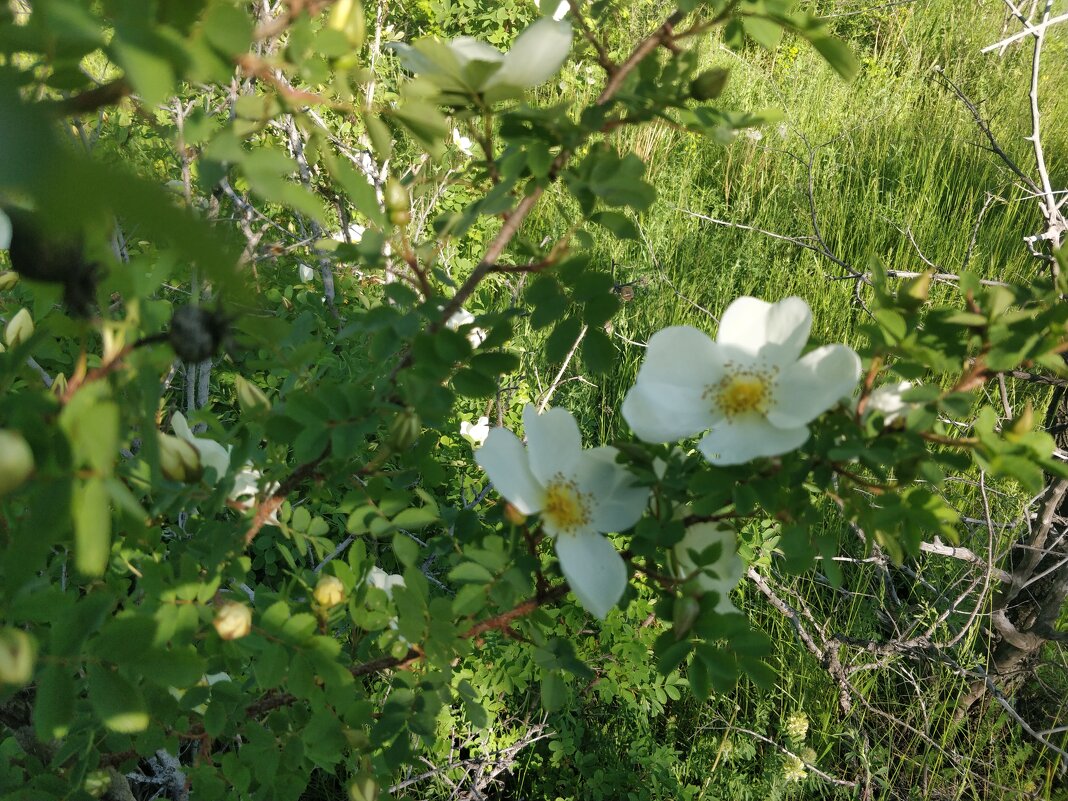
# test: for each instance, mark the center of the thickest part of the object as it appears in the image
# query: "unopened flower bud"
(329, 592)
(347, 16)
(405, 430)
(59, 385)
(251, 398)
(8, 280)
(363, 788)
(17, 652)
(513, 515)
(179, 460)
(919, 287)
(16, 461)
(1024, 422)
(398, 202)
(19, 328)
(233, 620)
(709, 84)
(97, 782)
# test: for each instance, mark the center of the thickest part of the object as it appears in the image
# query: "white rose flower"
(463, 143)
(385, 581)
(307, 274)
(476, 336)
(580, 495)
(728, 568)
(212, 453)
(475, 433)
(887, 401)
(751, 386)
(467, 66)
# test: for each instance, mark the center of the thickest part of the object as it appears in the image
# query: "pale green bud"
(405, 430)
(16, 460)
(251, 398)
(398, 202)
(59, 385)
(19, 328)
(363, 788)
(8, 280)
(17, 654)
(178, 460)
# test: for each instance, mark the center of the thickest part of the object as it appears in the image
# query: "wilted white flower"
(579, 493)
(233, 620)
(727, 569)
(475, 433)
(467, 66)
(751, 386)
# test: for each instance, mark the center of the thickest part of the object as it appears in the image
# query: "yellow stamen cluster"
(565, 507)
(742, 391)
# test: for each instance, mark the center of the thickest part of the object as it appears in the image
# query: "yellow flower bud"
(233, 620)
(17, 652)
(8, 280)
(347, 16)
(178, 459)
(251, 398)
(97, 782)
(16, 460)
(19, 328)
(329, 592)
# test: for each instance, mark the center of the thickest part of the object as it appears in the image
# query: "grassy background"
(891, 152)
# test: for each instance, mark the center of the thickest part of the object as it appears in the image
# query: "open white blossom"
(476, 432)
(750, 386)
(580, 495)
(887, 401)
(727, 569)
(384, 581)
(306, 273)
(467, 66)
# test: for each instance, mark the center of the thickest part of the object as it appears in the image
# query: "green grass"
(892, 151)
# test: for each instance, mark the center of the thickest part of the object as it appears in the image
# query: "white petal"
(728, 568)
(813, 385)
(777, 331)
(554, 443)
(667, 400)
(617, 503)
(212, 453)
(746, 438)
(537, 54)
(594, 569)
(504, 459)
(5, 231)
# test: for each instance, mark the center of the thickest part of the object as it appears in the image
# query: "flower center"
(565, 507)
(742, 391)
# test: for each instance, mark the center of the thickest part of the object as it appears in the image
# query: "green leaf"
(53, 709)
(763, 31)
(562, 339)
(598, 351)
(92, 526)
(838, 55)
(553, 691)
(617, 223)
(416, 517)
(406, 549)
(117, 702)
(473, 384)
